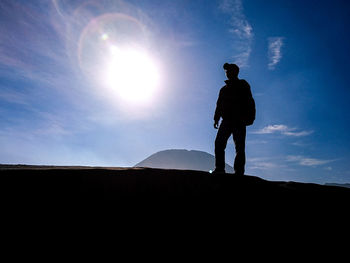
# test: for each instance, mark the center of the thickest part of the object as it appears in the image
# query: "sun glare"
(132, 74)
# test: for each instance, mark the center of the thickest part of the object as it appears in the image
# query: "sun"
(132, 74)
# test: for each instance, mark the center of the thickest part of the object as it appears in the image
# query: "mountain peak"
(182, 159)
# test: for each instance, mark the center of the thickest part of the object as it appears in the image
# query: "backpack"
(251, 112)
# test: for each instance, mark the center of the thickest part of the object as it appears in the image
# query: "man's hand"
(216, 124)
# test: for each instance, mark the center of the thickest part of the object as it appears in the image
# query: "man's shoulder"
(223, 89)
(244, 83)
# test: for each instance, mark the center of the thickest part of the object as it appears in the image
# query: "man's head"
(232, 70)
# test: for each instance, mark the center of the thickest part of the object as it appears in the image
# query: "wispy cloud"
(264, 166)
(265, 163)
(31, 47)
(283, 129)
(306, 161)
(241, 31)
(254, 142)
(12, 96)
(275, 53)
(300, 144)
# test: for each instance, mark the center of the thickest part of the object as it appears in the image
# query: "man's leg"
(222, 136)
(239, 134)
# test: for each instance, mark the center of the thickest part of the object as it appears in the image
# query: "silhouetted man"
(236, 107)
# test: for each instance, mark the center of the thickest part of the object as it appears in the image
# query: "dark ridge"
(54, 183)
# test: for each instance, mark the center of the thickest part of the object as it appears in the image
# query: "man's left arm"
(218, 111)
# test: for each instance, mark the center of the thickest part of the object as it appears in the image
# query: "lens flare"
(113, 51)
(104, 36)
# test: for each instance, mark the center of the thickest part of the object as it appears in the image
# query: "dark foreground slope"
(47, 184)
(177, 212)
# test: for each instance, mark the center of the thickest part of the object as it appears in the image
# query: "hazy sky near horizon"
(60, 104)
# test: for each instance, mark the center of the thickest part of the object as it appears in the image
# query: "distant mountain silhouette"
(337, 184)
(182, 159)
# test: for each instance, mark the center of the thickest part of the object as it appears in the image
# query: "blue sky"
(56, 109)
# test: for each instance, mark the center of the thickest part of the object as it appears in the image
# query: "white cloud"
(275, 53)
(273, 128)
(306, 161)
(241, 31)
(283, 129)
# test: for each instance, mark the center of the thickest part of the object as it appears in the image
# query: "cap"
(228, 66)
